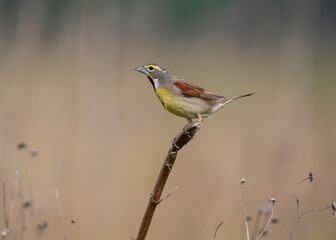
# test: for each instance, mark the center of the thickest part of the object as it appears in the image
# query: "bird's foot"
(200, 118)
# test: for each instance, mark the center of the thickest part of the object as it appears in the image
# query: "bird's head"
(155, 73)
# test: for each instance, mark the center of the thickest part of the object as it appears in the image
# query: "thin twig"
(42, 228)
(4, 205)
(219, 225)
(298, 220)
(23, 233)
(5, 231)
(179, 141)
(21, 146)
(78, 229)
(298, 209)
(52, 179)
(242, 181)
(15, 230)
(299, 213)
(60, 211)
(269, 220)
(168, 195)
(256, 224)
(13, 197)
(33, 153)
(310, 177)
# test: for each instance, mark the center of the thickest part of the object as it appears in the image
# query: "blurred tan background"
(69, 90)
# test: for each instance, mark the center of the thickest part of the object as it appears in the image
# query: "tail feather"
(226, 100)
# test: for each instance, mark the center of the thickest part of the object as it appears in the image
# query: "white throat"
(156, 82)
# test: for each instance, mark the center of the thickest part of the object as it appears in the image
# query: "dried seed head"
(274, 220)
(243, 180)
(21, 145)
(248, 218)
(26, 200)
(73, 221)
(33, 153)
(311, 178)
(260, 210)
(333, 207)
(42, 226)
(4, 233)
(26, 204)
(272, 200)
(266, 210)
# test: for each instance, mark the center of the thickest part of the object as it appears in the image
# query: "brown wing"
(190, 90)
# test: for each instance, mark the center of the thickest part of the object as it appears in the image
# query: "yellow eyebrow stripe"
(153, 66)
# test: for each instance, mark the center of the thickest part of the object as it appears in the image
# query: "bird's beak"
(141, 69)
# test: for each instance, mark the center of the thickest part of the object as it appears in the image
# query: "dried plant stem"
(41, 229)
(256, 225)
(298, 220)
(13, 197)
(299, 213)
(296, 195)
(20, 170)
(219, 225)
(31, 175)
(23, 233)
(42, 235)
(243, 210)
(5, 231)
(60, 212)
(4, 206)
(52, 179)
(179, 141)
(78, 229)
(267, 224)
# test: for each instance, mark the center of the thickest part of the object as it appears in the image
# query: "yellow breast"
(179, 105)
(164, 96)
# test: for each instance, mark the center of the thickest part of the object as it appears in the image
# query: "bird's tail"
(226, 100)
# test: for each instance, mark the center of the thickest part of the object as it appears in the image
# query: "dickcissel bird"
(183, 98)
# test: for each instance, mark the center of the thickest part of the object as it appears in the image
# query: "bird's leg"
(200, 118)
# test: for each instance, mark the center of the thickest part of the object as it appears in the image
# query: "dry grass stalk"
(300, 213)
(256, 223)
(78, 229)
(273, 201)
(4, 205)
(298, 220)
(5, 231)
(60, 212)
(219, 225)
(41, 229)
(242, 181)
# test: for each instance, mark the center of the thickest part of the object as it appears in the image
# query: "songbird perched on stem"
(183, 98)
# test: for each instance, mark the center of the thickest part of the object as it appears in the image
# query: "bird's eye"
(151, 68)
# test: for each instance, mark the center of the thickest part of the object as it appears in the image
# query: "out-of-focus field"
(69, 90)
